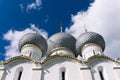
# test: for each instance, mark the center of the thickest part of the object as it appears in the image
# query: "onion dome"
(62, 40)
(33, 38)
(89, 37)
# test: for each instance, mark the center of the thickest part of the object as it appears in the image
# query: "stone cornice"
(18, 57)
(61, 56)
(58, 56)
(98, 56)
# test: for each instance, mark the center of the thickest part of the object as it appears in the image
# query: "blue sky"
(20, 16)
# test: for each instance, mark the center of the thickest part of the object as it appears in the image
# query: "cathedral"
(61, 57)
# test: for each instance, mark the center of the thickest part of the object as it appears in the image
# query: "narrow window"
(30, 54)
(101, 75)
(93, 52)
(20, 73)
(63, 75)
(100, 71)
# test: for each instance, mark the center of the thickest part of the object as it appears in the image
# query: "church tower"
(57, 59)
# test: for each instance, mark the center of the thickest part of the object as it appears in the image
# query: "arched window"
(100, 71)
(30, 55)
(62, 73)
(18, 73)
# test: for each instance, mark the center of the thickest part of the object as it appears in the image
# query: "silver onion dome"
(62, 39)
(33, 38)
(89, 37)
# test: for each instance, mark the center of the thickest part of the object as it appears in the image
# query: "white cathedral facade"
(57, 59)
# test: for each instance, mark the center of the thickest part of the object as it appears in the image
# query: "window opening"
(93, 52)
(30, 54)
(20, 74)
(101, 75)
(63, 75)
(100, 70)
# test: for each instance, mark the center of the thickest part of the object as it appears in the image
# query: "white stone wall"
(2, 70)
(11, 68)
(51, 70)
(78, 71)
(108, 69)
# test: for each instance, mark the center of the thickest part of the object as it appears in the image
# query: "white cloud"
(35, 5)
(41, 31)
(103, 17)
(14, 36)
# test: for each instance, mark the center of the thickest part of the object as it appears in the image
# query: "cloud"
(103, 17)
(35, 5)
(13, 36)
(41, 31)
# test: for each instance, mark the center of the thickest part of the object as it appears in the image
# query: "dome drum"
(60, 50)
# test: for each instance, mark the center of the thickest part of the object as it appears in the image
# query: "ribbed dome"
(33, 38)
(61, 40)
(89, 37)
